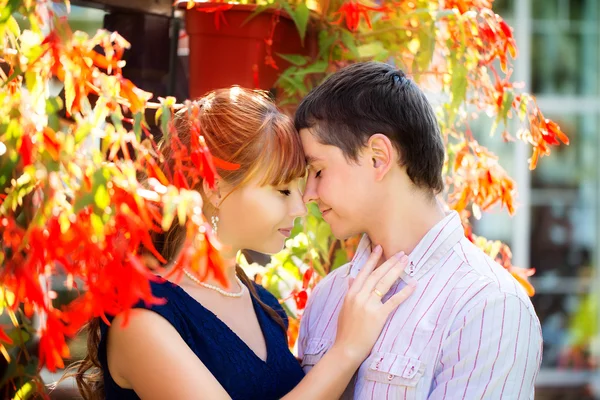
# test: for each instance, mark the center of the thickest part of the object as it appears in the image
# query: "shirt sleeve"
(493, 351)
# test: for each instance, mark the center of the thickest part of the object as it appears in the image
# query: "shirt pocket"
(395, 369)
(315, 350)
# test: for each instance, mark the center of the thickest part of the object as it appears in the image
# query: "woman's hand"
(363, 314)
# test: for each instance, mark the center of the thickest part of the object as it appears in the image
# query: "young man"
(375, 157)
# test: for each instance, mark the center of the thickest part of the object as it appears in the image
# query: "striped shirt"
(469, 331)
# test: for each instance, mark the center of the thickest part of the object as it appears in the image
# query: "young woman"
(207, 342)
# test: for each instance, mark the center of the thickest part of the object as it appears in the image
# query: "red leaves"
(300, 296)
(201, 157)
(353, 11)
(218, 10)
(26, 150)
(53, 347)
(225, 165)
(4, 337)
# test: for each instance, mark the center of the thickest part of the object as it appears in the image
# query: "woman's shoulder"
(160, 296)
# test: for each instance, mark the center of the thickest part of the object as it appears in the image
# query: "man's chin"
(341, 233)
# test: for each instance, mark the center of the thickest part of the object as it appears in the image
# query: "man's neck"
(400, 225)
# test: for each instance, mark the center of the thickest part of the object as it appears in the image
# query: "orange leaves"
(136, 98)
(293, 331)
(76, 63)
(465, 5)
(479, 179)
(542, 134)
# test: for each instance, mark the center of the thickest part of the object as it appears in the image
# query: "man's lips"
(285, 231)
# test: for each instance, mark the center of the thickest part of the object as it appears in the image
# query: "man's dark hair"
(368, 98)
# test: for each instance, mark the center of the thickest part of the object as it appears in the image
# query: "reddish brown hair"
(242, 127)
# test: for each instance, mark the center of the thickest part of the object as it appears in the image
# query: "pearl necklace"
(216, 288)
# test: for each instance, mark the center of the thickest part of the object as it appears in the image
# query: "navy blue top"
(237, 368)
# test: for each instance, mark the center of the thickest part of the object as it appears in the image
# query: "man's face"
(342, 189)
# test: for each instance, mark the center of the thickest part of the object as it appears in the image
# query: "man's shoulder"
(487, 272)
(487, 284)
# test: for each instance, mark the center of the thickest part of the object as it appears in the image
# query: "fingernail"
(400, 255)
(404, 258)
(377, 249)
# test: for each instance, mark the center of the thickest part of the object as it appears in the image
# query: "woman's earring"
(215, 220)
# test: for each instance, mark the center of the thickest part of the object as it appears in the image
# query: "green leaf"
(7, 10)
(301, 19)
(101, 197)
(350, 42)
(341, 258)
(165, 118)
(13, 26)
(17, 72)
(54, 105)
(295, 59)
(372, 50)
(258, 10)
(18, 335)
(523, 107)
(507, 101)
(326, 40)
(426, 46)
(25, 391)
(318, 67)
(458, 86)
(97, 226)
(137, 125)
(82, 132)
(322, 238)
(318, 267)
(31, 80)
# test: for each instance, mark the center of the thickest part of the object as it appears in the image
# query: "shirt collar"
(432, 247)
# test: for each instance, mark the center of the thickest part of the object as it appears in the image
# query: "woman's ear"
(381, 154)
(213, 195)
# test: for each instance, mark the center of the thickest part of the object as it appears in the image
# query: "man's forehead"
(312, 159)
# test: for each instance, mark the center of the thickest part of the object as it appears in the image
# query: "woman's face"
(259, 218)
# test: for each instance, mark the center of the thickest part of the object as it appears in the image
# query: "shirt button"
(390, 377)
(411, 269)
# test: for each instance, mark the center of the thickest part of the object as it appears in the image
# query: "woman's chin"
(273, 248)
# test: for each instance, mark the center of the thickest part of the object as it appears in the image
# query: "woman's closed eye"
(285, 192)
(318, 174)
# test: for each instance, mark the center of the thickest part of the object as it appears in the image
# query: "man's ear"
(213, 195)
(381, 153)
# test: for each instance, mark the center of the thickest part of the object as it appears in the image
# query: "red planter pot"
(223, 51)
